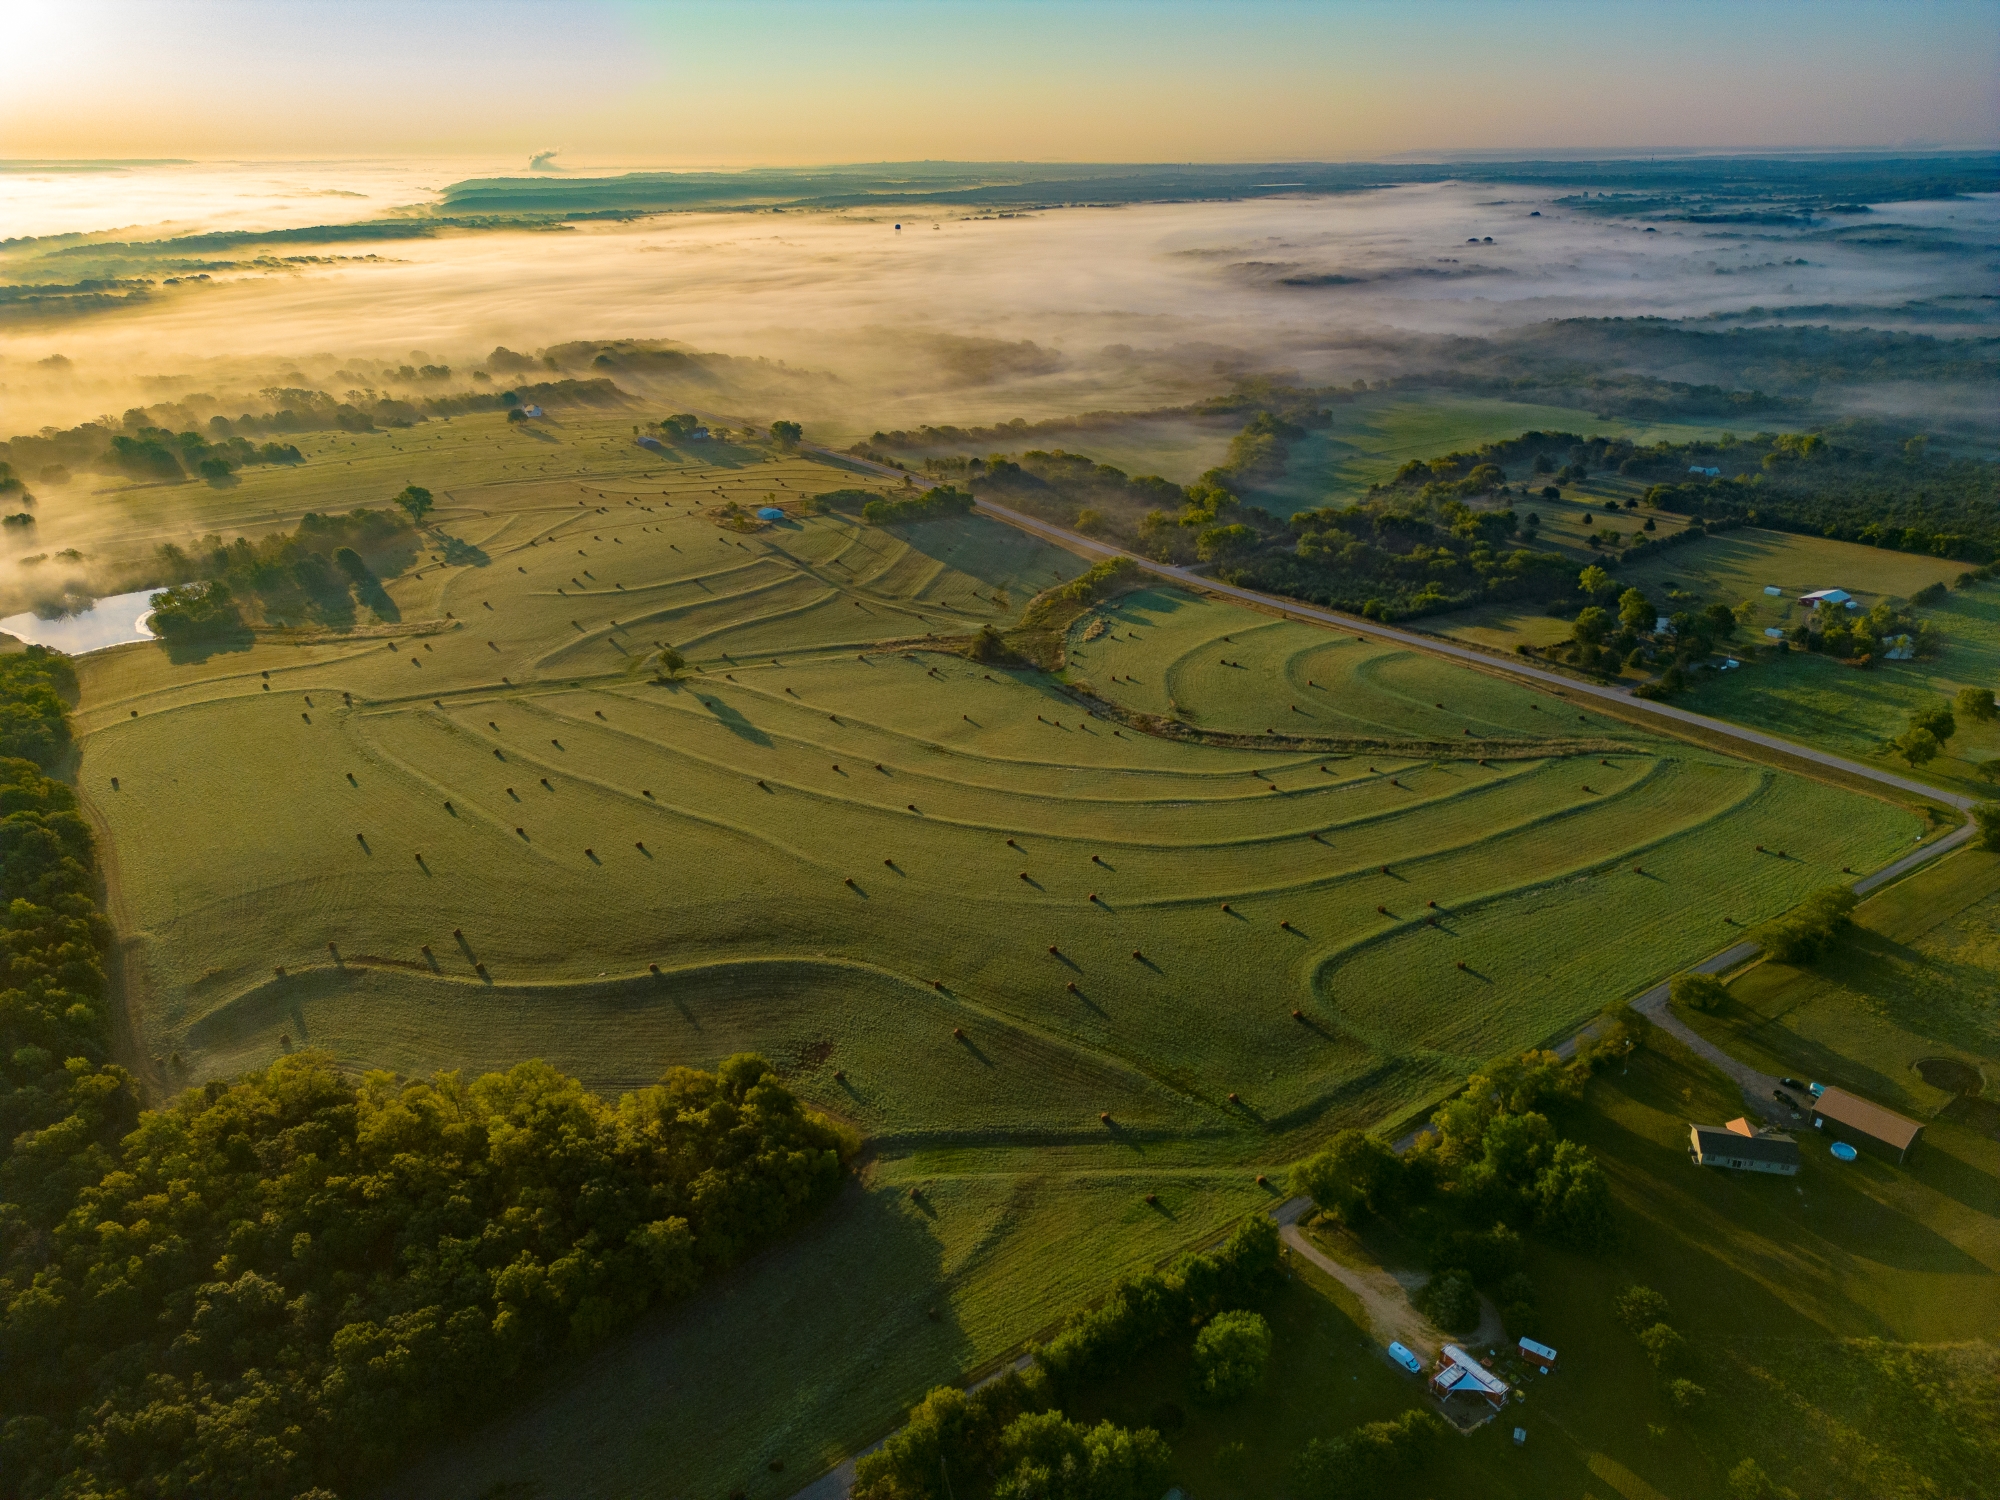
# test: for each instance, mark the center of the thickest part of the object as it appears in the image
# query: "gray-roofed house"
(1719, 1146)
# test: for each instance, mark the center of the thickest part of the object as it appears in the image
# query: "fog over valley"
(959, 316)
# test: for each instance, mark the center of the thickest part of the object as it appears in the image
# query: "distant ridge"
(1682, 187)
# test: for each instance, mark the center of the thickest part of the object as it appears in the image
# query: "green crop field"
(1047, 960)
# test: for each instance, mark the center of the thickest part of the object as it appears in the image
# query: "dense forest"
(1855, 487)
(269, 1287)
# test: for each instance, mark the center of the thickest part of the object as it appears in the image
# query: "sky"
(620, 83)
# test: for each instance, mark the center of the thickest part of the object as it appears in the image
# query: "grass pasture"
(1812, 1306)
(955, 909)
(1372, 436)
(1365, 442)
(1916, 980)
(1804, 697)
(1822, 702)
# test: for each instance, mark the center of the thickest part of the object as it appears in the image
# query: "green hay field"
(954, 908)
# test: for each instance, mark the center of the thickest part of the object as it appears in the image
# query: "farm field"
(1046, 960)
(1803, 696)
(1914, 982)
(1368, 439)
(1822, 702)
(1782, 1286)
(118, 522)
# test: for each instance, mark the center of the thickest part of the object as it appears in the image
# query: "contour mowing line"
(416, 780)
(1517, 770)
(654, 620)
(1389, 1060)
(663, 807)
(686, 581)
(1321, 963)
(353, 654)
(1307, 686)
(1432, 853)
(986, 757)
(1527, 768)
(1369, 669)
(623, 987)
(594, 595)
(890, 557)
(1176, 799)
(1438, 851)
(937, 569)
(1168, 671)
(763, 619)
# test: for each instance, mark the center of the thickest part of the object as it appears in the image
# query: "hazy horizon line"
(1489, 155)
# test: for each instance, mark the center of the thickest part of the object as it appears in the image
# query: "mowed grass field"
(1917, 980)
(953, 907)
(1781, 1286)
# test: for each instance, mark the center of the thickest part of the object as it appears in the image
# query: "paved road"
(1490, 661)
(1756, 1086)
(1436, 645)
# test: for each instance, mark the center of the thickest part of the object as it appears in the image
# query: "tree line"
(172, 440)
(930, 505)
(1493, 1164)
(271, 1286)
(1852, 482)
(156, 453)
(1010, 1440)
(314, 572)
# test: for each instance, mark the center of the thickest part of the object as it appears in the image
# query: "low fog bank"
(956, 318)
(853, 325)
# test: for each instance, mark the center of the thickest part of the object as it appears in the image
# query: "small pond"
(91, 627)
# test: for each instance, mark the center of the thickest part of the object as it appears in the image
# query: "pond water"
(108, 622)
